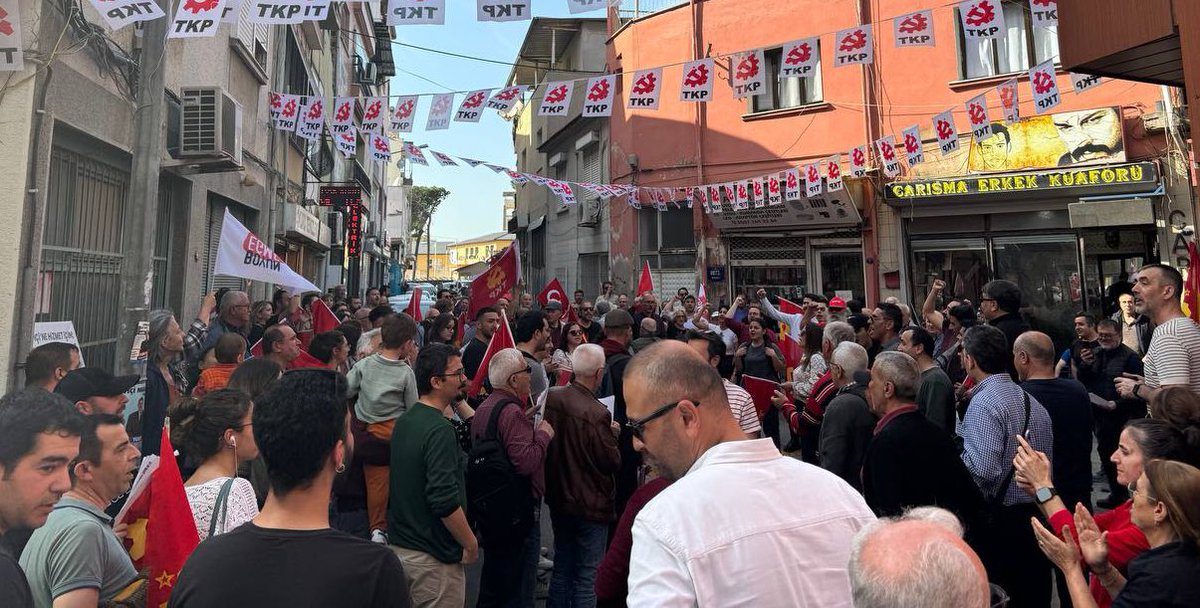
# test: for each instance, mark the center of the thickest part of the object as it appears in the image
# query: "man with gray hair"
(910, 462)
(581, 469)
(846, 429)
(233, 316)
(916, 560)
(511, 549)
(805, 421)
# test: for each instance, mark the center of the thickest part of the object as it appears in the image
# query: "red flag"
(414, 305)
(791, 339)
(761, 390)
(646, 281)
(460, 326)
(1191, 287)
(323, 319)
(256, 349)
(162, 531)
(305, 360)
(701, 297)
(497, 281)
(552, 291)
(501, 340)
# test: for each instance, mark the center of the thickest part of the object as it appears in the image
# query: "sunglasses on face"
(575, 332)
(527, 370)
(638, 425)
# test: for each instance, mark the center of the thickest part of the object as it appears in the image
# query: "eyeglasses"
(1104, 336)
(575, 332)
(527, 370)
(586, 309)
(638, 425)
(462, 371)
(1133, 492)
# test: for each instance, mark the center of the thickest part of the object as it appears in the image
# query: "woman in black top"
(1166, 508)
(758, 357)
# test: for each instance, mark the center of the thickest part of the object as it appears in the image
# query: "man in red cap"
(837, 309)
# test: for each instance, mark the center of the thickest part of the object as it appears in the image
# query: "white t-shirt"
(742, 407)
(240, 507)
(1172, 357)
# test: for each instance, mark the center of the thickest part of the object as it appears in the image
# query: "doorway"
(839, 272)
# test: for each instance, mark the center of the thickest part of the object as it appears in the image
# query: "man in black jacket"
(910, 462)
(1100, 367)
(1000, 306)
(846, 428)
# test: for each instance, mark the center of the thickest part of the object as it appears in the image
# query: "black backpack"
(499, 500)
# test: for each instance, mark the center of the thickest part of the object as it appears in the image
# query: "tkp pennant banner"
(697, 83)
(312, 119)
(981, 125)
(716, 196)
(853, 46)
(402, 116)
(741, 199)
(443, 159)
(116, 13)
(914, 29)
(374, 114)
(982, 19)
(1043, 82)
(886, 146)
(472, 162)
(563, 190)
(947, 133)
(439, 112)
(416, 12)
(286, 12)
(748, 74)
(243, 255)
(1044, 13)
(1009, 100)
(774, 193)
(833, 173)
(343, 115)
(791, 184)
(598, 101)
(913, 152)
(505, 98)
(516, 177)
(800, 58)
(758, 192)
(858, 161)
(471, 108)
(503, 10)
(1083, 82)
(347, 141)
(812, 181)
(556, 101)
(643, 93)
(381, 149)
(700, 195)
(193, 19)
(288, 111)
(414, 154)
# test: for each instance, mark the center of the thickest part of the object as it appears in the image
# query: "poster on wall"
(1066, 139)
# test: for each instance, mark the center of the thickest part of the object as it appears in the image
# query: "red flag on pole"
(162, 532)
(646, 281)
(459, 327)
(414, 305)
(501, 340)
(1191, 287)
(761, 390)
(323, 319)
(791, 339)
(498, 280)
(552, 291)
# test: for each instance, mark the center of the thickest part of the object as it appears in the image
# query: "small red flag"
(305, 360)
(501, 340)
(552, 291)
(323, 319)
(761, 390)
(791, 339)
(459, 327)
(162, 531)
(1191, 287)
(414, 305)
(646, 281)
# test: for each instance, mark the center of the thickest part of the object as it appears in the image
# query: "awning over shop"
(831, 210)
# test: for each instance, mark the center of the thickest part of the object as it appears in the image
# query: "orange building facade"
(986, 211)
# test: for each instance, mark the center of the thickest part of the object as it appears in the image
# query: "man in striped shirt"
(999, 411)
(1170, 360)
(712, 347)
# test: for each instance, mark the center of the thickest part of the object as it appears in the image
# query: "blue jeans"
(579, 546)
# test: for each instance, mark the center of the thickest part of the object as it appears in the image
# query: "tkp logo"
(914, 24)
(858, 157)
(556, 94)
(599, 91)
(475, 100)
(742, 190)
(748, 67)
(833, 170)
(289, 108)
(1046, 3)
(1042, 83)
(910, 143)
(373, 111)
(982, 13)
(799, 54)
(697, 76)
(978, 116)
(774, 185)
(343, 112)
(853, 41)
(315, 111)
(405, 109)
(1006, 96)
(645, 84)
(508, 94)
(792, 180)
(813, 174)
(944, 129)
(441, 106)
(889, 153)
(200, 6)
(381, 144)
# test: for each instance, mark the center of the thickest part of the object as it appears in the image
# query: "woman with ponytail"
(215, 433)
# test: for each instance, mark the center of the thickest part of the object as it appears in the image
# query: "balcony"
(1122, 39)
(628, 10)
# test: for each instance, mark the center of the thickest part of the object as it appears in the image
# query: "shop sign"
(354, 230)
(340, 197)
(715, 274)
(800, 213)
(1137, 175)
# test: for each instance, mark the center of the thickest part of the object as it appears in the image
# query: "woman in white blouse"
(572, 337)
(216, 433)
(812, 365)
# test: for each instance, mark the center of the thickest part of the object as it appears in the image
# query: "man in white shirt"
(1170, 360)
(741, 405)
(742, 525)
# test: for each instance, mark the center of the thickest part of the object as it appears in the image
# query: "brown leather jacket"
(583, 458)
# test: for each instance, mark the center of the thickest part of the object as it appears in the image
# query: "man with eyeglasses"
(511, 552)
(427, 521)
(591, 329)
(679, 416)
(233, 316)
(1000, 306)
(1101, 367)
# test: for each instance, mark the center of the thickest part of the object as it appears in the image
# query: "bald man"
(916, 562)
(743, 550)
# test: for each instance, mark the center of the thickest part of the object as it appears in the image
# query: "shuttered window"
(591, 170)
(216, 215)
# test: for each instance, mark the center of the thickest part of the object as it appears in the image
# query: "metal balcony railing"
(628, 10)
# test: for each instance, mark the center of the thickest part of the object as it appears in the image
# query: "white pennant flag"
(312, 119)
(982, 20)
(741, 199)
(443, 159)
(243, 255)
(381, 148)
(472, 162)
(914, 29)
(697, 83)
(343, 115)
(471, 108)
(644, 92)
(774, 193)
(716, 197)
(402, 116)
(800, 58)
(701, 195)
(439, 112)
(791, 184)
(1044, 13)
(288, 113)
(812, 181)
(748, 74)
(416, 12)
(505, 98)
(415, 154)
(556, 101)
(503, 10)
(1009, 100)
(563, 190)
(833, 173)
(519, 178)
(858, 161)
(756, 189)
(913, 151)
(1043, 82)
(886, 146)
(374, 114)
(947, 133)
(977, 113)
(116, 13)
(347, 141)
(1083, 82)
(854, 45)
(195, 19)
(598, 100)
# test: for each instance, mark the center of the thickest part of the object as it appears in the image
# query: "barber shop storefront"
(803, 245)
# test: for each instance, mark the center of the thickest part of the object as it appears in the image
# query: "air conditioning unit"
(210, 128)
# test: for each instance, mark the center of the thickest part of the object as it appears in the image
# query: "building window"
(788, 92)
(667, 238)
(1010, 54)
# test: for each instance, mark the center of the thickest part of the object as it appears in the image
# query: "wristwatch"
(1044, 494)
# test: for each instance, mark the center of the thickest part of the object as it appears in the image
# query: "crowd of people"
(938, 455)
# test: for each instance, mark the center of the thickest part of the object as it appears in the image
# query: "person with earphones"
(215, 434)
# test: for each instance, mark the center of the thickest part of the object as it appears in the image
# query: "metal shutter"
(216, 213)
(590, 171)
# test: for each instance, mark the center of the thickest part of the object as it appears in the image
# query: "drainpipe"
(872, 124)
(703, 225)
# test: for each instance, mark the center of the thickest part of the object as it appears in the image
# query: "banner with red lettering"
(242, 254)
